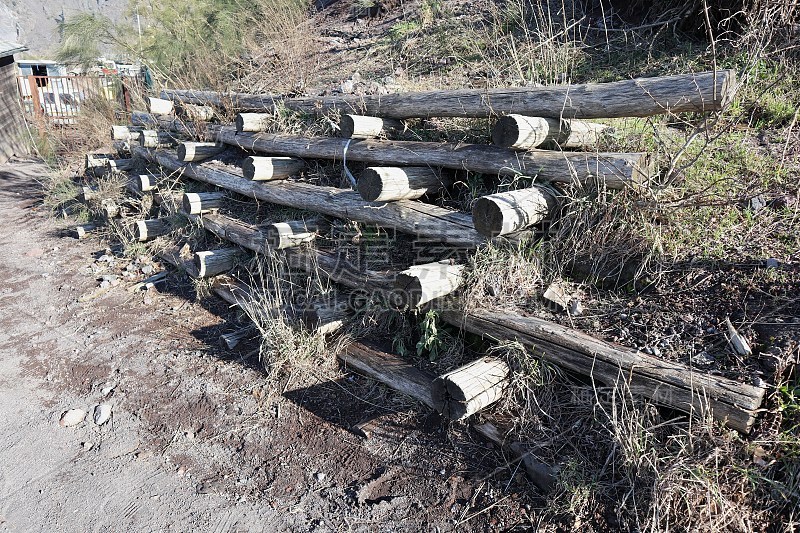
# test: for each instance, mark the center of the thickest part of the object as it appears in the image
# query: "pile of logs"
(544, 133)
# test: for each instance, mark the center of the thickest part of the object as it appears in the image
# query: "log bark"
(362, 127)
(270, 168)
(524, 133)
(159, 106)
(147, 121)
(386, 184)
(428, 222)
(235, 231)
(640, 97)
(196, 203)
(93, 161)
(253, 121)
(145, 230)
(214, 262)
(109, 208)
(472, 387)
(616, 170)
(282, 235)
(391, 370)
(195, 113)
(421, 284)
(512, 211)
(196, 151)
(665, 383)
(145, 183)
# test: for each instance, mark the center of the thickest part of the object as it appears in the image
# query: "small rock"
(102, 413)
(87, 446)
(73, 417)
(109, 277)
(575, 307)
(757, 203)
(703, 359)
(105, 284)
(319, 476)
(772, 263)
(348, 87)
(656, 351)
(147, 269)
(105, 391)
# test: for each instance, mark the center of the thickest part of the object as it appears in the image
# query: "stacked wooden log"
(394, 191)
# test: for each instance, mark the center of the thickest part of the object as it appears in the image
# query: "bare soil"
(199, 438)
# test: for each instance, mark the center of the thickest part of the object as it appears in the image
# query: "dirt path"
(198, 438)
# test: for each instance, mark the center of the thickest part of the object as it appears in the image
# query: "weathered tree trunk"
(542, 475)
(524, 133)
(386, 184)
(283, 235)
(640, 97)
(235, 231)
(145, 183)
(94, 161)
(426, 221)
(158, 106)
(615, 170)
(665, 383)
(253, 121)
(213, 262)
(392, 371)
(420, 284)
(512, 211)
(147, 121)
(145, 230)
(195, 151)
(468, 389)
(362, 127)
(109, 208)
(270, 168)
(195, 113)
(196, 203)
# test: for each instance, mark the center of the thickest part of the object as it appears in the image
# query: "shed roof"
(8, 48)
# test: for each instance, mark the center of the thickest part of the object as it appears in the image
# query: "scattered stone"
(772, 263)
(348, 87)
(739, 343)
(105, 391)
(757, 203)
(73, 417)
(102, 413)
(87, 446)
(575, 307)
(703, 359)
(147, 269)
(319, 476)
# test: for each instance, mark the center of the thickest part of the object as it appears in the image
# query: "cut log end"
(195, 203)
(472, 387)
(282, 235)
(363, 127)
(158, 106)
(145, 230)
(509, 212)
(270, 168)
(421, 284)
(386, 184)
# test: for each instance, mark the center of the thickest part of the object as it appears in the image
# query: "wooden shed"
(13, 133)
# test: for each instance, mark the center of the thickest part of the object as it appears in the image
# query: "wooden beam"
(195, 113)
(472, 387)
(387, 184)
(664, 382)
(253, 121)
(421, 284)
(160, 106)
(509, 212)
(214, 262)
(196, 203)
(616, 170)
(282, 235)
(362, 127)
(270, 168)
(639, 97)
(197, 151)
(524, 133)
(428, 222)
(145, 230)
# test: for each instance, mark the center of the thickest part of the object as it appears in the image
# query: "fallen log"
(468, 389)
(386, 184)
(120, 165)
(143, 120)
(214, 262)
(160, 106)
(196, 151)
(512, 211)
(235, 231)
(156, 139)
(270, 168)
(542, 475)
(524, 133)
(232, 339)
(326, 316)
(196, 203)
(392, 371)
(428, 222)
(617, 170)
(144, 230)
(282, 235)
(420, 284)
(362, 127)
(665, 383)
(87, 194)
(639, 97)
(145, 183)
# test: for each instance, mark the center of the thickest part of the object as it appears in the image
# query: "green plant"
(430, 341)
